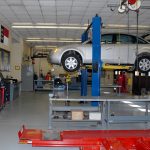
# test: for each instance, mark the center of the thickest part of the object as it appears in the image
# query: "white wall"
(42, 63)
(108, 77)
(19, 51)
(16, 60)
(7, 48)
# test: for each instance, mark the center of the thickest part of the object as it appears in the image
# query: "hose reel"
(129, 4)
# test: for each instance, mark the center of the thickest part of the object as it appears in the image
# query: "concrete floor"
(31, 109)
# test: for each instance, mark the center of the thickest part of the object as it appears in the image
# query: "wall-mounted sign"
(4, 35)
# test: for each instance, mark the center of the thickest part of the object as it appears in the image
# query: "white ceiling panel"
(14, 2)
(31, 2)
(19, 9)
(62, 3)
(48, 14)
(50, 20)
(3, 3)
(80, 3)
(63, 8)
(36, 16)
(79, 8)
(62, 21)
(5, 9)
(47, 3)
(64, 12)
(75, 21)
(33, 8)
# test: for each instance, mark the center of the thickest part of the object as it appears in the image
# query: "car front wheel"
(71, 62)
(143, 64)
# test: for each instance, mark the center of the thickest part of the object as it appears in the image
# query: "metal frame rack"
(109, 118)
(64, 105)
(104, 108)
(43, 85)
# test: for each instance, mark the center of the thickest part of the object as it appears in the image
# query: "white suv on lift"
(115, 49)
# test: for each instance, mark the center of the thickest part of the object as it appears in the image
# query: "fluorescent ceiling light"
(115, 25)
(59, 41)
(134, 105)
(143, 110)
(38, 38)
(22, 23)
(47, 27)
(125, 26)
(48, 46)
(29, 25)
(64, 24)
(33, 38)
(127, 102)
(44, 24)
(66, 40)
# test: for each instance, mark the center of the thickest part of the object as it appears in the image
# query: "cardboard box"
(77, 115)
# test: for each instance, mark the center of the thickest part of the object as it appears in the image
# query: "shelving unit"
(43, 85)
(60, 113)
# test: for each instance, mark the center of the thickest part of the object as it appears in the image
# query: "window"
(126, 39)
(141, 41)
(4, 60)
(129, 39)
(107, 39)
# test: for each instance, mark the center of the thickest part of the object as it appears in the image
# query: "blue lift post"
(96, 57)
(84, 76)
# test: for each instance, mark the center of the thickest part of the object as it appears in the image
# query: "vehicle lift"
(96, 57)
(89, 139)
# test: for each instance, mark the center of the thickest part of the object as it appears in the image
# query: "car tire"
(71, 62)
(143, 64)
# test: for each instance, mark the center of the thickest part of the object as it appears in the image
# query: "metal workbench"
(104, 107)
(43, 85)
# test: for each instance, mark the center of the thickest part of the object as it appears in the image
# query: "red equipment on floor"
(122, 81)
(87, 139)
(2, 90)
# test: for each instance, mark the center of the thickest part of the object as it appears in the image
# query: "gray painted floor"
(31, 109)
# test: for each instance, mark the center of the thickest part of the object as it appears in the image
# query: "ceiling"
(68, 12)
